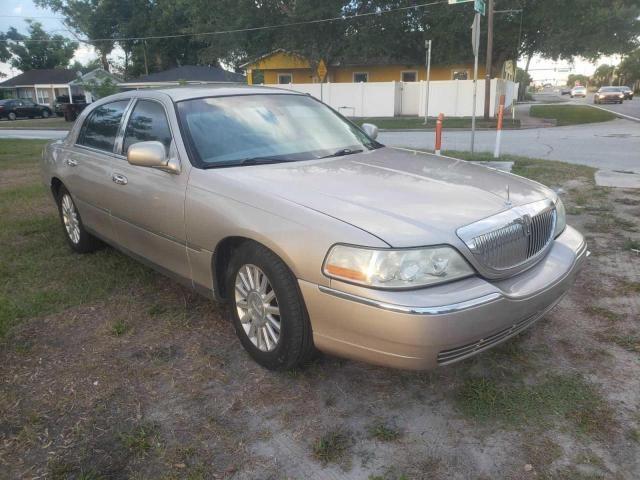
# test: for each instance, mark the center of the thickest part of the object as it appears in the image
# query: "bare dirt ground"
(150, 382)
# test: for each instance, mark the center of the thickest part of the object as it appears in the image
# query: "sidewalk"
(527, 121)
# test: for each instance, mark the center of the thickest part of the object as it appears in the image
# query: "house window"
(360, 77)
(285, 78)
(409, 76)
(460, 74)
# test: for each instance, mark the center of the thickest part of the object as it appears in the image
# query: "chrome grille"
(515, 243)
(511, 240)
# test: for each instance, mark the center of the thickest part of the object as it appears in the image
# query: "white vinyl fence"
(454, 98)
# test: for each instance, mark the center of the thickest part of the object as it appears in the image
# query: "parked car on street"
(578, 91)
(608, 95)
(315, 234)
(628, 92)
(565, 91)
(23, 107)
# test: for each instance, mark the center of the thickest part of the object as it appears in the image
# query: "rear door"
(89, 166)
(147, 207)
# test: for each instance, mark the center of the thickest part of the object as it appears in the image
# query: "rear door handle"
(72, 163)
(119, 179)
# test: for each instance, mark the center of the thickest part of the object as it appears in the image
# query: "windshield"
(245, 129)
(609, 89)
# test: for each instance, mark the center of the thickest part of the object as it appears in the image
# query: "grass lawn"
(571, 114)
(547, 172)
(401, 123)
(38, 273)
(51, 123)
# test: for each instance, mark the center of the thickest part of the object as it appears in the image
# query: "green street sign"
(478, 5)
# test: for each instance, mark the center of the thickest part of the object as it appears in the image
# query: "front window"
(409, 76)
(285, 78)
(460, 75)
(360, 77)
(227, 131)
(147, 122)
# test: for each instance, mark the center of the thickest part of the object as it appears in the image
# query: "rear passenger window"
(147, 122)
(101, 128)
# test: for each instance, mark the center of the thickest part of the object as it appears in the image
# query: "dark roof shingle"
(191, 73)
(44, 76)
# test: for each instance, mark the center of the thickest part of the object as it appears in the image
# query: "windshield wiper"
(248, 161)
(342, 152)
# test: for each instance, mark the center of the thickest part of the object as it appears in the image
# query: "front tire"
(267, 309)
(11, 116)
(45, 114)
(77, 237)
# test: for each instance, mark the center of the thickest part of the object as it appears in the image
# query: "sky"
(13, 11)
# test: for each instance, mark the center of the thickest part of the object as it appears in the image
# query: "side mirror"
(370, 129)
(148, 154)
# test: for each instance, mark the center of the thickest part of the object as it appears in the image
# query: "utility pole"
(475, 41)
(487, 76)
(427, 43)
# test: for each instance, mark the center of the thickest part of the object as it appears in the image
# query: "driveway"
(613, 145)
(33, 134)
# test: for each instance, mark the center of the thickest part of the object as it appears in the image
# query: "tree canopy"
(550, 28)
(36, 50)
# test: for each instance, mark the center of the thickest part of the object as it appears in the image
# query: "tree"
(593, 28)
(90, 66)
(577, 79)
(100, 89)
(629, 69)
(38, 49)
(603, 75)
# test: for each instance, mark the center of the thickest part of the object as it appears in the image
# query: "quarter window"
(101, 128)
(147, 122)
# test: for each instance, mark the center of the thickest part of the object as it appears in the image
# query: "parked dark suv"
(23, 107)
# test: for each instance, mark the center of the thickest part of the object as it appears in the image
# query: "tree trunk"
(523, 88)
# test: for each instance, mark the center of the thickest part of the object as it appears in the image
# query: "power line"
(26, 17)
(252, 29)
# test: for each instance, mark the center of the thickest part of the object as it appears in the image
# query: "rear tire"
(268, 311)
(11, 116)
(76, 235)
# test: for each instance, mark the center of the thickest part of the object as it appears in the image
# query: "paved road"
(613, 145)
(631, 108)
(33, 134)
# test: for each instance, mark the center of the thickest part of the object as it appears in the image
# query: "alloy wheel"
(70, 218)
(257, 307)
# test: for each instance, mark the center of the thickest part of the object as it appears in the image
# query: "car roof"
(178, 94)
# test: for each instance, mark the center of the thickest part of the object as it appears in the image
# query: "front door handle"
(119, 179)
(71, 162)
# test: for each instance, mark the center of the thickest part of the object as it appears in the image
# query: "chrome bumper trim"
(438, 310)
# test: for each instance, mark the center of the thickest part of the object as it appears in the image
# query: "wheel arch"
(55, 185)
(223, 252)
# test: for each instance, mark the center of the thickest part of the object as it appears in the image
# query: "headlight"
(561, 217)
(621, 95)
(386, 268)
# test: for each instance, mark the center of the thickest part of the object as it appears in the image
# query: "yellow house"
(282, 67)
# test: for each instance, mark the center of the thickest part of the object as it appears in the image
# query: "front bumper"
(421, 329)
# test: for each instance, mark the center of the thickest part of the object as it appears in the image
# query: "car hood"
(404, 198)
